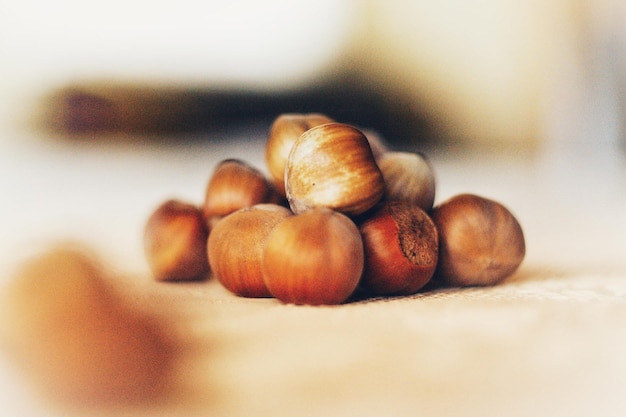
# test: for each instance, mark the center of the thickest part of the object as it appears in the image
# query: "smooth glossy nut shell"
(175, 237)
(408, 177)
(377, 142)
(235, 184)
(313, 258)
(480, 241)
(332, 166)
(284, 131)
(236, 245)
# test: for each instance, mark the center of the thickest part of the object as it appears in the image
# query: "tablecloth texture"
(549, 341)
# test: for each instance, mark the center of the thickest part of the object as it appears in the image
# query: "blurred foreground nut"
(77, 340)
(333, 166)
(313, 258)
(408, 177)
(401, 246)
(284, 131)
(235, 184)
(236, 247)
(480, 241)
(175, 239)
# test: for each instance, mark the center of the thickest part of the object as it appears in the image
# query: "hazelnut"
(77, 337)
(401, 245)
(332, 166)
(235, 248)
(175, 237)
(313, 258)
(235, 184)
(284, 131)
(408, 177)
(377, 143)
(480, 241)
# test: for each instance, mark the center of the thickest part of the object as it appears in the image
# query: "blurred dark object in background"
(88, 110)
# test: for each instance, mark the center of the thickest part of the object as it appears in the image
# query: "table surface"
(550, 340)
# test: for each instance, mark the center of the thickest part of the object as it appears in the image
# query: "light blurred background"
(507, 73)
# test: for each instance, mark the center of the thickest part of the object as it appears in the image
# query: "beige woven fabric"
(549, 341)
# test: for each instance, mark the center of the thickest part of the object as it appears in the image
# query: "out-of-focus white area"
(237, 43)
(509, 72)
(273, 42)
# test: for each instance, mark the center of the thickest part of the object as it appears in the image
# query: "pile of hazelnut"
(338, 214)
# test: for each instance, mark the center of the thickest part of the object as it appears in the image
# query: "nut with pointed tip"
(236, 244)
(332, 166)
(284, 131)
(235, 184)
(480, 241)
(408, 177)
(313, 258)
(175, 237)
(401, 245)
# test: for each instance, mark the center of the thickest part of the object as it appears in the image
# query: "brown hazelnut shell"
(284, 131)
(313, 258)
(236, 244)
(408, 177)
(332, 166)
(175, 237)
(401, 249)
(480, 241)
(235, 184)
